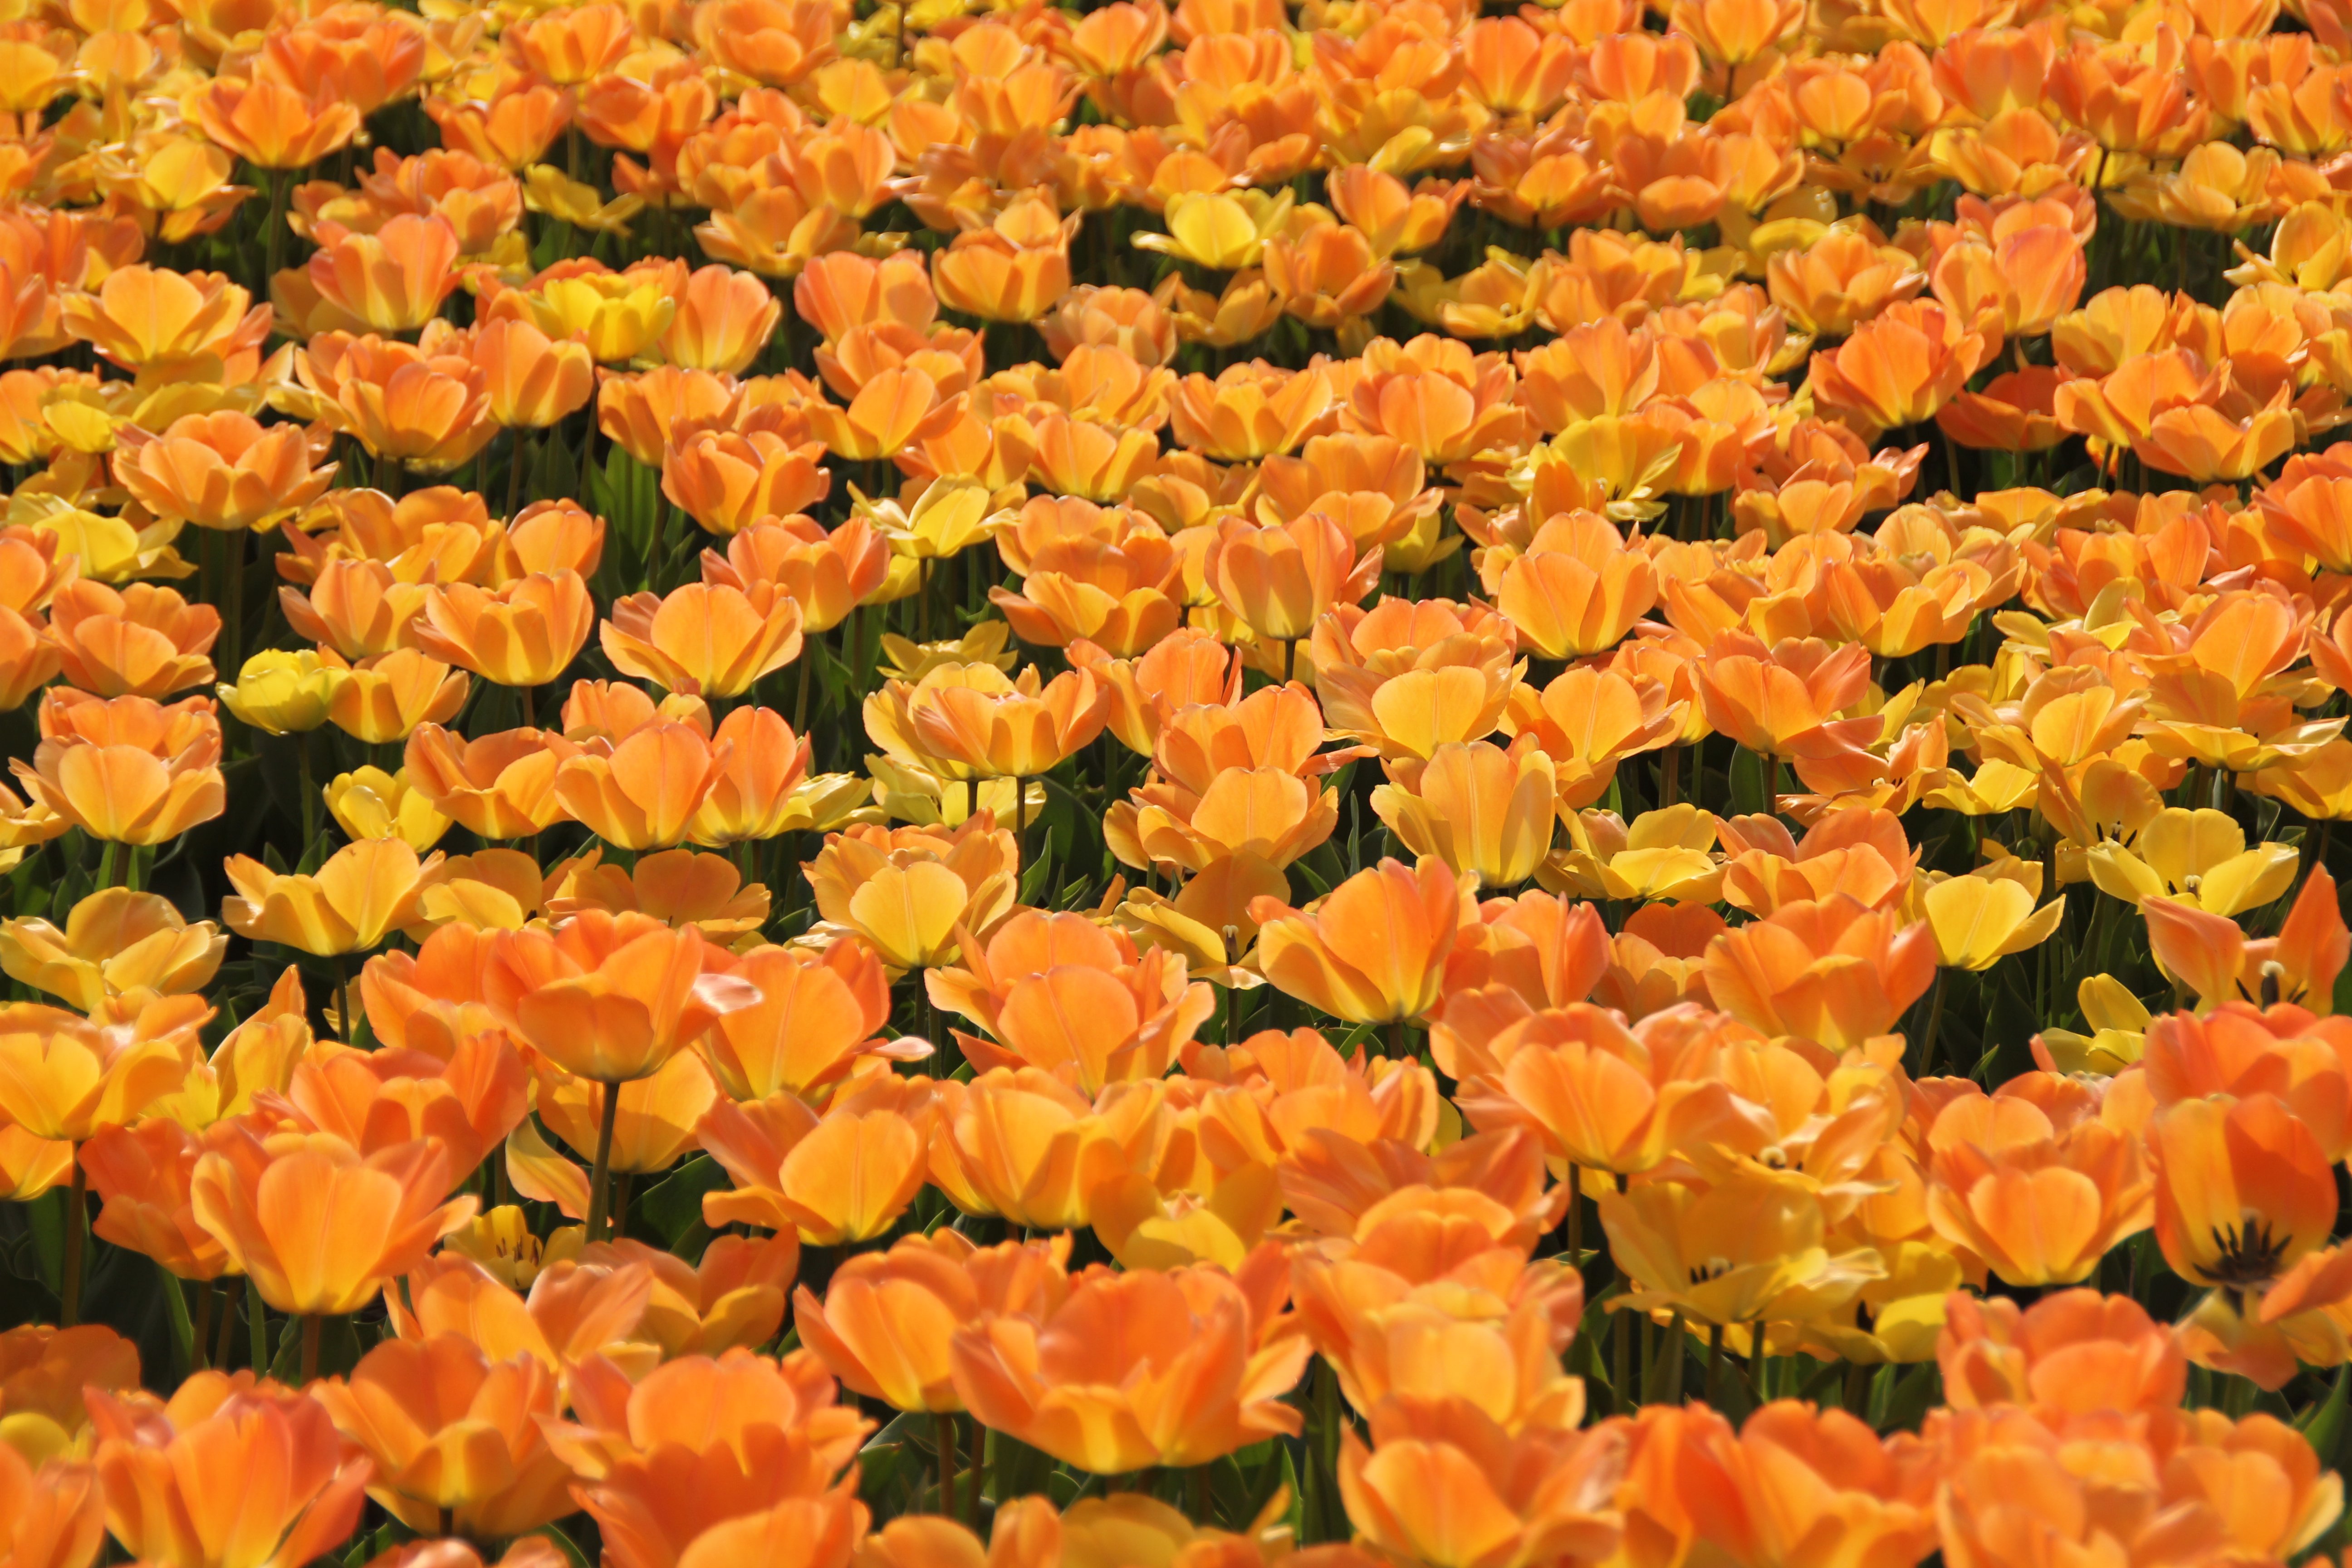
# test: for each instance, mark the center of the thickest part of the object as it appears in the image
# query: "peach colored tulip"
(1373, 950)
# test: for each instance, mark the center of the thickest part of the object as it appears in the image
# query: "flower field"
(911, 783)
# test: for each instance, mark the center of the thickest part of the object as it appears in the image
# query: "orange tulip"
(654, 1122)
(65, 1078)
(272, 125)
(1833, 970)
(841, 1177)
(612, 997)
(2243, 1191)
(1373, 950)
(815, 1018)
(974, 721)
(701, 640)
(827, 574)
(702, 1441)
(161, 323)
(144, 1174)
(392, 281)
(533, 380)
(1576, 590)
(1442, 1483)
(1133, 1369)
(55, 1513)
(221, 471)
(454, 1435)
(1901, 365)
(315, 1225)
(498, 786)
(2073, 1352)
(645, 793)
(724, 320)
(141, 641)
(525, 634)
(424, 404)
(1249, 411)
(1022, 1143)
(764, 788)
(1477, 808)
(229, 1471)
(1784, 700)
(887, 1319)
(117, 951)
(352, 903)
(1279, 581)
(910, 892)
(1012, 269)
(726, 482)
(127, 770)
(2039, 1194)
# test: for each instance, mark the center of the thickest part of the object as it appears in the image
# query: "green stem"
(233, 607)
(311, 1322)
(107, 864)
(311, 797)
(273, 240)
(256, 1328)
(1935, 1019)
(943, 1427)
(600, 1173)
(1715, 1366)
(76, 1212)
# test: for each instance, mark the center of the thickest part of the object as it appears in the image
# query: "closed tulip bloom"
(1477, 808)
(128, 770)
(887, 1319)
(613, 997)
(392, 280)
(1373, 950)
(724, 318)
(117, 951)
(841, 1177)
(827, 574)
(1022, 1143)
(984, 725)
(424, 405)
(816, 1016)
(143, 1171)
(1133, 1369)
(499, 786)
(701, 640)
(1249, 411)
(221, 471)
(1442, 1483)
(455, 1435)
(63, 1078)
(270, 125)
(1587, 720)
(230, 1472)
(764, 789)
(316, 1226)
(1279, 581)
(1577, 590)
(909, 892)
(2073, 1350)
(143, 640)
(1784, 700)
(355, 900)
(369, 803)
(726, 482)
(644, 795)
(283, 691)
(1833, 970)
(1901, 365)
(533, 381)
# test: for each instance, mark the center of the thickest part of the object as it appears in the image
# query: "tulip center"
(2246, 1254)
(1712, 1269)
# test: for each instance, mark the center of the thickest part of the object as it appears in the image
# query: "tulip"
(1979, 920)
(1022, 1143)
(1012, 269)
(888, 1318)
(160, 323)
(317, 1226)
(653, 1125)
(1249, 411)
(843, 1177)
(283, 691)
(827, 574)
(145, 1175)
(1373, 950)
(221, 471)
(119, 950)
(1219, 231)
(1133, 1369)
(373, 804)
(55, 1513)
(533, 381)
(1279, 581)
(1577, 590)
(2040, 1198)
(1747, 1252)
(1444, 1484)
(980, 724)
(702, 640)
(499, 786)
(816, 1016)
(1831, 970)
(297, 1491)
(2197, 858)
(392, 280)
(524, 635)
(726, 482)
(2243, 1190)
(127, 770)
(909, 892)
(677, 887)
(2073, 1350)
(453, 1436)
(358, 898)
(1477, 808)
(143, 641)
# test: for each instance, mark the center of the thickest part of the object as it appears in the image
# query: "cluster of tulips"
(941, 784)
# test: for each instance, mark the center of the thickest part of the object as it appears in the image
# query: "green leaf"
(2322, 1425)
(674, 1206)
(1748, 788)
(175, 1303)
